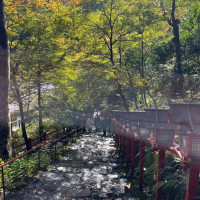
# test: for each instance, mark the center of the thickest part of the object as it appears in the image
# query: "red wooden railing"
(39, 140)
(126, 140)
(56, 138)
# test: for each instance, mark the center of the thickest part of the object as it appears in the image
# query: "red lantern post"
(117, 132)
(186, 118)
(141, 170)
(163, 137)
(123, 139)
(128, 143)
(133, 127)
(132, 153)
(192, 185)
(121, 136)
(160, 176)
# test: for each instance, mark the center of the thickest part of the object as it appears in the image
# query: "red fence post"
(3, 184)
(128, 148)
(120, 137)
(123, 139)
(160, 176)
(141, 172)
(39, 159)
(192, 186)
(30, 143)
(132, 154)
(117, 132)
(55, 151)
(44, 137)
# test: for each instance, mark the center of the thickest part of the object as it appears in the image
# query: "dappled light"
(99, 99)
(83, 172)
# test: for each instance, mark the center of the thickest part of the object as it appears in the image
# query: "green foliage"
(86, 49)
(17, 173)
(174, 182)
(94, 45)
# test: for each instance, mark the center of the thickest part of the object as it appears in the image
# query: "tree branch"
(120, 15)
(122, 35)
(99, 27)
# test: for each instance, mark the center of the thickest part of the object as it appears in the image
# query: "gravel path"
(89, 170)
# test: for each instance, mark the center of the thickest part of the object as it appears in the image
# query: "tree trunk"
(23, 123)
(176, 40)
(134, 93)
(40, 106)
(143, 93)
(125, 105)
(142, 59)
(23, 126)
(179, 79)
(145, 99)
(123, 98)
(5, 130)
(154, 101)
(21, 109)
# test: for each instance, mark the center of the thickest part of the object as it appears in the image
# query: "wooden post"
(128, 139)
(120, 137)
(123, 140)
(160, 176)
(55, 152)
(3, 184)
(141, 172)
(132, 154)
(30, 143)
(192, 186)
(117, 132)
(39, 159)
(44, 137)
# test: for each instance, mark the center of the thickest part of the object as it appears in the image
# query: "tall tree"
(111, 23)
(37, 40)
(174, 22)
(5, 131)
(16, 90)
